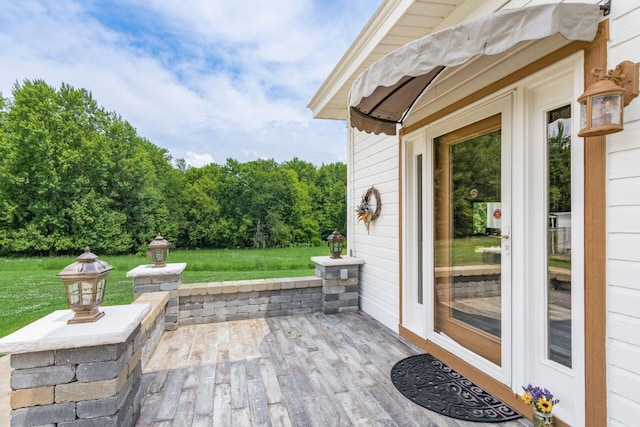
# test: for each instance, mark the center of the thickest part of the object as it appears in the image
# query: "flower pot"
(540, 419)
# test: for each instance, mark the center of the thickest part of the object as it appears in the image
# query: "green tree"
(331, 201)
(73, 174)
(559, 146)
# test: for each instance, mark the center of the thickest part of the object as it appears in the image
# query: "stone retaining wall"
(248, 299)
(153, 324)
(81, 386)
(149, 279)
(87, 385)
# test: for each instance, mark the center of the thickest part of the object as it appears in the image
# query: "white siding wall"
(375, 163)
(623, 233)
(623, 228)
(375, 160)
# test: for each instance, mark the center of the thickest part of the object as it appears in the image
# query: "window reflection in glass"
(559, 235)
(467, 217)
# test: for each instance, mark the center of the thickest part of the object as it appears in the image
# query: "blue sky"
(205, 79)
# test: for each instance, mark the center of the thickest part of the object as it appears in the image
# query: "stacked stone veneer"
(248, 299)
(147, 278)
(334, 289)
(91, 386)
(153, 324)
(83, 374)
(339, 283)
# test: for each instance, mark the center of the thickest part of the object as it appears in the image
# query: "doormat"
(430, 383)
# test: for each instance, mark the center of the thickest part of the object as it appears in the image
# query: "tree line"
(73, 174)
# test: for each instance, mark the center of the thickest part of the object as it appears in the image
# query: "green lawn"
(29, 288)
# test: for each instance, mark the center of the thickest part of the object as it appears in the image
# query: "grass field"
(29, 288)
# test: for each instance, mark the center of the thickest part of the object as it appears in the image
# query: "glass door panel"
(469, 238)
(559, 235)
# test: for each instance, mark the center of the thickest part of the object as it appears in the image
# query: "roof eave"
(331, 99)
(354, 61)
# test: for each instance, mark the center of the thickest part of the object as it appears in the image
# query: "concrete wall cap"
(53, 333)
(327, 261)
(149, 270)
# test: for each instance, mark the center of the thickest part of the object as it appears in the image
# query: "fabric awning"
(382, 95)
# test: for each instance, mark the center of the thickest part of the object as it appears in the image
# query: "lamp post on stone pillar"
(159, 277)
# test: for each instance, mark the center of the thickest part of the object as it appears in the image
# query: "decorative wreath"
(369, 208)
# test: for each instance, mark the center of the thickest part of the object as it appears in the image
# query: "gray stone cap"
(53, 333)
(148, 270)
(255, 285)
(327, 261)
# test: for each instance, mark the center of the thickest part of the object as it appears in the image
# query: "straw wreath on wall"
(369, 208)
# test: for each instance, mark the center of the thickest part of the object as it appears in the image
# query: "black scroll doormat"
(430, 383)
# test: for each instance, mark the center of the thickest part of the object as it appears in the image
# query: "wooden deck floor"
(303, 370)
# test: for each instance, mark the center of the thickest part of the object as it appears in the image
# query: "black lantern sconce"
(335, 241)
(602, 104)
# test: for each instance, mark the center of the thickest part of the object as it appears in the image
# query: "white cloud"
(198, 159)
(224, 78)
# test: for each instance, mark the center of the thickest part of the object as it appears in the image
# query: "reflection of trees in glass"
(475, 163)
(559, 145)
(559, 235)
(479, 218)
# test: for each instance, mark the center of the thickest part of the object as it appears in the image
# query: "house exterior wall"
(374, 162)
(623, 233)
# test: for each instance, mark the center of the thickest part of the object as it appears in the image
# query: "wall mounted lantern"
(85, 282)
(602, 104)
(335, 241)
(158, 251)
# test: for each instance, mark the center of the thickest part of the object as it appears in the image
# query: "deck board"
(302, 370)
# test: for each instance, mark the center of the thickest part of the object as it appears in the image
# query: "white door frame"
(418, 318)
(524, 358)
(558, 85)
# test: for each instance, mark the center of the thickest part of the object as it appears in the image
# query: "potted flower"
(542, 402)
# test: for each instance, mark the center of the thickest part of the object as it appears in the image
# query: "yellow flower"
(527, 398)
(544, 405)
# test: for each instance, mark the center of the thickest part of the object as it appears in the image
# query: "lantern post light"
(159, 250)
(85, 282)
(335, 241)
(602, 103)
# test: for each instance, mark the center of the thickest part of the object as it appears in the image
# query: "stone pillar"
(340, 279)
(146, 278)
(75, 375)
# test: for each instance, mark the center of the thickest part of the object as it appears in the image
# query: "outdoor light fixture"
(602, 104)
(85, 282)
(158, 251)
(335, 244)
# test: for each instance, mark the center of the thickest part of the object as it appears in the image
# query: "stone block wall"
(340, 296)
(84, 375)
(248, 299)
(89, 386)
(153, 324)
(147, 279)
(340, 278)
